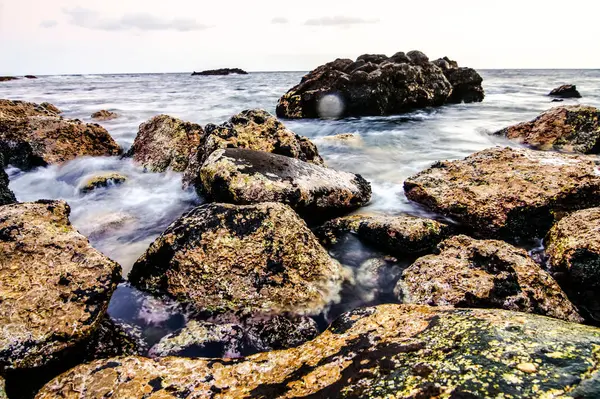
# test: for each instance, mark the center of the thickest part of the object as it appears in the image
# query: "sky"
(145, 36)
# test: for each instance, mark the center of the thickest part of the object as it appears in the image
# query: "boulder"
(243, 176)
(506, 192)
(572, 129)
(396, 235)
(104, 115)
(470, 273)
(222, 71)
(32, 135)
(54, 286)
(400, 351)
(166, 143)
(377, 85)
(6, 196)
(247, 259)
(103, 180)
(565, 91)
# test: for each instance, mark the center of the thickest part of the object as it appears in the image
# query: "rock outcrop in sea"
(222, 71)
(103, 180)
(386, 351)
(565, 91)
(574, 128)
(377, 85)
(104, 115)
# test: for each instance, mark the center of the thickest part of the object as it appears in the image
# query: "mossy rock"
(103, 180)
(389, 351)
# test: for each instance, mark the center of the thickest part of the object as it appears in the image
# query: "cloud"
(280, 20)
(340, 21)
(48, 24)
(91, 19)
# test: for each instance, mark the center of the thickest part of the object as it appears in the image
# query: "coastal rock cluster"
(375, 84)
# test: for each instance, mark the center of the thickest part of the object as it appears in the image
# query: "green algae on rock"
(165, 143)
(389, 351)
(242, 176)
(249, 259)
(33, 135)
(473, 273)
(508, 193)
(54, 286)
(103, 180)
(396, 235)
(6, 195)
(573, 128)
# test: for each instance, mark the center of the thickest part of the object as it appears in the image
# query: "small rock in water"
(565, 91)
(222, 71)
(351, 139)
(104, 115)
(103, 180)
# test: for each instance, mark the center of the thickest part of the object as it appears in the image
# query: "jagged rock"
(6, 195)
(396, 235)
(565, 91)
(278, 332)
(32, 135)
(573, 128)
(508, 193)
(54, 286)
(399, 351)
(226, 258)
(243, 176)
(377, 85)
(103, 180)
(166, 143)
(351, 139)
(222, 71)
(104, 115)
(471, 273)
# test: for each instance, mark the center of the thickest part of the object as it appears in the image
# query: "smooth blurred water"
(122, 221)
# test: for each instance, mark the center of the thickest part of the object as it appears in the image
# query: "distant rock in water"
(30, 77)
(7, 78)
(377, 85)
(222, 71)
(573, 128)
(565, 91)
(104, 115)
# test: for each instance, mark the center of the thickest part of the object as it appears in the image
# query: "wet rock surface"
(103, 180)
(243, 176)
(572, 129)
(104, 115)
(396, 235)
(507, 193)
(386, 351)
(565, 91)
(473, 273)
(32, 135)
(221, 71)
(165, 143)
(54, 287)
(224, 258)
(6, 195)
(377, 85)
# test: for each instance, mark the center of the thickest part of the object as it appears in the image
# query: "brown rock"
(32, 135)
(103, 180)
(565, 91)
(6, 196)
(572, 128)
(7, 78)
(165, 143)
(51, 107)
(508, 193)
(104, 115)
(390, 351)
(471, 273)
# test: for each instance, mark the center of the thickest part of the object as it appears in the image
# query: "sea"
(122, 221)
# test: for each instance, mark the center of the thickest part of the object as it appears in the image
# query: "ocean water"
(122, 221)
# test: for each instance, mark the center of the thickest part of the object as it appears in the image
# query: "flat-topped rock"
(224, 258)
(565, 91)
(166, 143)
(32, 135)
(104, 115)
(396, 235)
(243, 176)
(54, 286)
(508, 193)
(471, 273)
(222, 71)
(399, 351)
(572, 129)
(377, 85)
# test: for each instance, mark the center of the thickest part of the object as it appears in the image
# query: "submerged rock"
(377, 85)
(565, 91)
(396, 235)
(471, 273)
(103, 180)
(104, 115)
(6, 195)
(166, 143)
(351, 139)
(54, 286)
(248, 259)
(397, 351)
(243, 176)
(32, 135)
(222, 71)
(573, 128)
(508, 193)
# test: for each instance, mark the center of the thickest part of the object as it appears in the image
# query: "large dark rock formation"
(222, 71)
(565, 91)
(6, 196)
